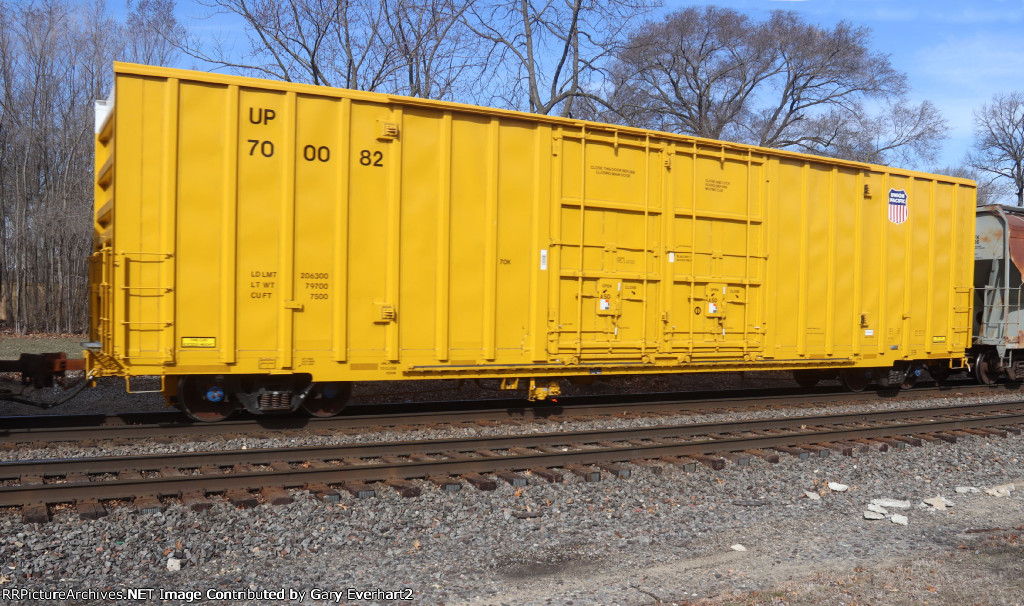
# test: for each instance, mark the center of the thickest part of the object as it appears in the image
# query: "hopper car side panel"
(269, 228)
(998, 333)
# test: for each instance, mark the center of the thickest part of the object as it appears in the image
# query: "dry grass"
(987, 573)
(11, 344)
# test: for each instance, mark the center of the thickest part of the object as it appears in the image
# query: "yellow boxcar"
(272, 242)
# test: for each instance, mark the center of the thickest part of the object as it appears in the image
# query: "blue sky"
(956, 54)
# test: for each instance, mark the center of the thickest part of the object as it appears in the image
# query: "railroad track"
(324, 470)
(50, 428)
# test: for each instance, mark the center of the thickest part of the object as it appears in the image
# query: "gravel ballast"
(744, 535)
(652, 537)
(315, 437)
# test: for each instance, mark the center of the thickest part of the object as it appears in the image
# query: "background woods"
(54, 61)
(712, 72)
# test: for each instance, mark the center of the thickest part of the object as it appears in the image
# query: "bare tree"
(7, 52)
(438, 57)
(819, 69)
(999, 141)
(899, 133)
(323, 42)
(539, 55)
(714, 72)
(153, 33)
(546, 55)
(413, 47)
(54, 60)
(694, 72)
(990, 189)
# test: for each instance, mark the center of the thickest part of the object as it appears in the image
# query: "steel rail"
(467, 460)
(93, 427)
(258, 456)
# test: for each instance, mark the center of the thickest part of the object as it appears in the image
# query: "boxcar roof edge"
(311, 89)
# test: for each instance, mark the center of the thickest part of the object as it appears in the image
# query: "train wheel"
(910, 380)
(986, 367)
(806, 378)
(204, 399)
(327, 399)
(854, 379)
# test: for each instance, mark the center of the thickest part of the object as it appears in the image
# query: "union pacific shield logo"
(897, 206)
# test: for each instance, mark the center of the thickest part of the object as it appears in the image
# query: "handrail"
(997, 319)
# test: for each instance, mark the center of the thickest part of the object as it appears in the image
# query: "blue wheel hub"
(215, 394)
(330, 391)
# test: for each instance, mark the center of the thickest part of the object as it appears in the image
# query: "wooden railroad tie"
(989, 431)
(816, 450)
(872, 444)
(910, 440)
(619, 471)
(35, 513)
(31, 480)
(687, 465)
(324, 492)
(276, 495)
(404, 488)
(90, 509)
(765, 455)
(359, 490)
(148, 504)
(515, 479)
(890, 442)
(549, 475)
(713, 462)
(796, 452)
(654, 467)
(589, 474)
(857, 447)
(196, 501)
(532, 451)
(964, 433)
(544, 449)
(738, 458)
(241, 498)
(446, 484)
(480, 482)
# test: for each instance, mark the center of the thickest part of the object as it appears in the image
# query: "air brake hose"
(44, 405)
